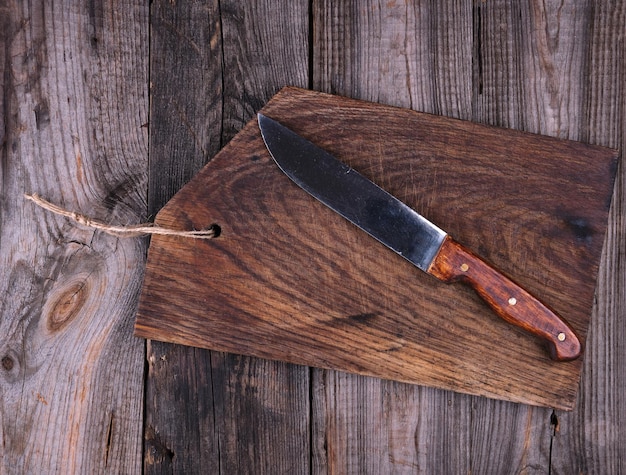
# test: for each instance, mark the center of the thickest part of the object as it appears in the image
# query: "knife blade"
(409, 234)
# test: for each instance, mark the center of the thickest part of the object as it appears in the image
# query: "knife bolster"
(454, 263)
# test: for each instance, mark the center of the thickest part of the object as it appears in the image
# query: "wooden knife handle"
(515, 305)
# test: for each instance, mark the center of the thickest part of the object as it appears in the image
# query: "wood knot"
(66, 303)
(581, 228)
(7, 363)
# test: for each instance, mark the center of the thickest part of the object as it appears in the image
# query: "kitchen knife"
(402, 229)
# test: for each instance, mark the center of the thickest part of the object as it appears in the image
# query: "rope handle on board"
(121, 231)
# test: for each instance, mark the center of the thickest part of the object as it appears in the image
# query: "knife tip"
(265, 123)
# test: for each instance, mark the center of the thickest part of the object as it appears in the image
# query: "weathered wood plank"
(263, 409)
(186, 109)
(426, 50)
(408, 54)
(74, 103)
(254, 417)
(530, 66)
(561, 62)
(511, 85)
(263, 405)
(265, 48)
(366, 425)
(185, 129)
(592, 439)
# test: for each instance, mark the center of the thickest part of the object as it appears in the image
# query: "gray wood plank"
(530, 74)
(180, 431)
(555, 71)
(416, 55)
(410, 54)
(209, 411)
(185, 92)
(368, 425)
(262, 408)
(509, 91)
(592, 439)
(73, 109)
(265, 48)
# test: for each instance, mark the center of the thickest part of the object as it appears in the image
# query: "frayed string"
(132, 230)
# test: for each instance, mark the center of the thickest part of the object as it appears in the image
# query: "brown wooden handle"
(511, 302)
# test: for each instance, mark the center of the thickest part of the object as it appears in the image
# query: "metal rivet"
(464, 267)
(561, 336)
(512, 301)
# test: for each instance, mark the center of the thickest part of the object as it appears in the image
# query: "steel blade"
(353, 196)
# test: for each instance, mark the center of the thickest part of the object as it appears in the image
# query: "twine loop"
(132, 230)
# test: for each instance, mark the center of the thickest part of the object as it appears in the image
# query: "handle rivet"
(512, 301)
(464, 267)
(561, 336)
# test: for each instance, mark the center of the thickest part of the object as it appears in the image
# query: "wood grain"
(73, 109)
(476, 61)
(596, 430)
(433, 55)
(396, 53)
(211, 411)
(181, 427)
(574, 77)
(554, 67)
(290, 279)
(571, 78)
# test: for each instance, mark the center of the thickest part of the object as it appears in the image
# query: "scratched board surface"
(290, 280)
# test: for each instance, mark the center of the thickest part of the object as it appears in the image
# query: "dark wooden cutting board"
(289, 279)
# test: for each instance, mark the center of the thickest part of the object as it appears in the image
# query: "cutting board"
(288, 279)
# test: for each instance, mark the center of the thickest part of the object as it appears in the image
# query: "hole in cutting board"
(217, 230)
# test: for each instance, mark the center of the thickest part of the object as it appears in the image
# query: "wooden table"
(108, 108)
